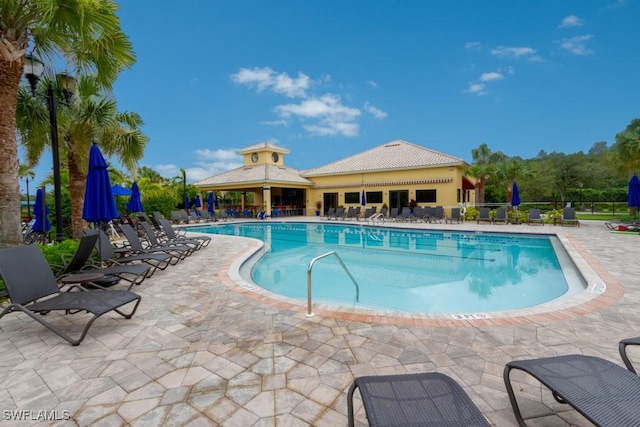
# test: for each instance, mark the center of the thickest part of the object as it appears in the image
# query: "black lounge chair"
(484, 215)
(135, 246)
(188, 246)
(33, 290)
(172, 236)
(604, 393)
(501, 216)
(535, 217)
(455, 216)
(622, 348)
(569, 217)
(134, 274)
(329, 214)
(425, 399)
(108, 255)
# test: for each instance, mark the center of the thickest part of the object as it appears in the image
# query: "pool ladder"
(313, 261)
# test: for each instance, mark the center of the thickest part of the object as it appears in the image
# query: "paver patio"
(202, 352)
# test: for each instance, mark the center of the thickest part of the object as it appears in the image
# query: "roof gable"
(397, 154)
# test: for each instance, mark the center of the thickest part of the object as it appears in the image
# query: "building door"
(398, 199)
(330, 201)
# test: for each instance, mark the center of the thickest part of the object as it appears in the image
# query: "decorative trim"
(442, 180)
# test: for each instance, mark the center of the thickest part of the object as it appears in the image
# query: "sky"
(329, 79)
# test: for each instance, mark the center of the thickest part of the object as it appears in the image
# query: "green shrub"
(471, 213)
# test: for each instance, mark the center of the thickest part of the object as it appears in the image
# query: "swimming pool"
(419, 271)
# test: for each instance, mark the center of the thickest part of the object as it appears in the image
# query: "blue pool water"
(407, 270)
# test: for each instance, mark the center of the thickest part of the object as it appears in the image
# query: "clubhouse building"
(391, 174)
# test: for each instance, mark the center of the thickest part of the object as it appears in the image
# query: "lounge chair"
(484, 215)
(393, 214)
(134, 274)
(189, 246)
(339, 214)
(108, 255)
(534, 217)
(455, 216)
(603, 392)
(406, 214)
(351, 213)
(622, 348)
(437, 215)
(33, 290)
(368, 213)
(425, 399)
(329, 214)
(135, 245)
(501, 216)
(173, 237)
(569, 217)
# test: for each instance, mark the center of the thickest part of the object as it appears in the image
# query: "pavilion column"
(266, 199)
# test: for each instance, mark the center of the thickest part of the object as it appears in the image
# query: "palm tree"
(510, 171)
(482, 168)
(91, 116)
(85, 33)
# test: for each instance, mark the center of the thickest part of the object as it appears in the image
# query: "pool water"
(408, 270)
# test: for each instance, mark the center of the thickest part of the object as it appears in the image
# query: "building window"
(426, 196)
(352, 197)
(374, 196)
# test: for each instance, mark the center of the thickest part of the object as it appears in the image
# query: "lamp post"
(33, 70)
(28, 201)
(581, 206)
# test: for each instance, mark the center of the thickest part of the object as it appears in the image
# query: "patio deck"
(202, 352)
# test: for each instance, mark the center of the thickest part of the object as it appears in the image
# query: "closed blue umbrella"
(633, 198)
(363, 202)
(515, 200)
(515, 195)
(210, 202)
(198, 202)
(99, 205)
(41, 213)
(135, 203)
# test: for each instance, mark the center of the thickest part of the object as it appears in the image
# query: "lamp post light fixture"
(33, 70)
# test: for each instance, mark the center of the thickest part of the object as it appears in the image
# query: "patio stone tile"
(154, 417)
(131, 410)
(222, 410)
(202, 401)
(241, 417)
(262, 405)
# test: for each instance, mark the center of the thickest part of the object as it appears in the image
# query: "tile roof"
(397, 154)
(257, 174)
(263, 146)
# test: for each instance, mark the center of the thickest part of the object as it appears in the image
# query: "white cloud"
(333, 117)
(577, 45)
(487, 77)
(473, 45)
(378, 114)
(372, 84)
(476, 88)
(266, 78)
(512, 52)
(274, 123)
(571, 21)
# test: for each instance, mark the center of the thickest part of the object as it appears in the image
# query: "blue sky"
(328, 79)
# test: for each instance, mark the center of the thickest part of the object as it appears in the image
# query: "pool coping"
(602, 290)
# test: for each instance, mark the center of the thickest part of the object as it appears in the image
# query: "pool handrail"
(313, 261)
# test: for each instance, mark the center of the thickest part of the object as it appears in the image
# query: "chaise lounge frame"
(33, 290)
(604, 393)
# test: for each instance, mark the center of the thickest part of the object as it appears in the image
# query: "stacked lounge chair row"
(33, 289)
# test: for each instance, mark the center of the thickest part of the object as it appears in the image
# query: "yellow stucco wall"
(446, 180)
